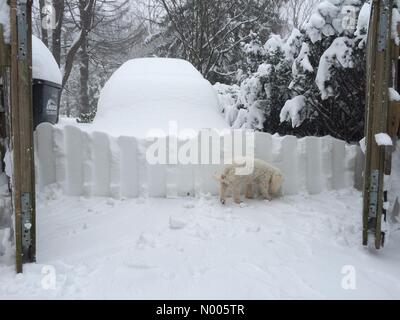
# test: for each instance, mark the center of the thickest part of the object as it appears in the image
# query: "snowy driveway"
(292, 248)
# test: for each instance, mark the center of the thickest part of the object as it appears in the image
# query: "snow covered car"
(150, 94)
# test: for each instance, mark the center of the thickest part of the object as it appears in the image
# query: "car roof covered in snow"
(147, 94)
(44, 66)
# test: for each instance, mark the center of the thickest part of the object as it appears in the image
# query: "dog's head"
(276, 182)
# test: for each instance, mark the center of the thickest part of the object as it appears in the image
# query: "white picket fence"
(95, 164)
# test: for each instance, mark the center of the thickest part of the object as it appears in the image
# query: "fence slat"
(263, 146)
(289, 165)
(327, 174)
(44, 149)
(302, 164)
(87, 155)
(154, 182)
(314, 170)
(352, 166)
(115, 168)
(338, 164)
(129, 167)
(101, 164)
(60, 157)
(74, 160)
(180, 176)
(211, 163)
(359, 169)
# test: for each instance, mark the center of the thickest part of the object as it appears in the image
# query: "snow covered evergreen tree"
(264, 85)
(312, 83)
(329, 73)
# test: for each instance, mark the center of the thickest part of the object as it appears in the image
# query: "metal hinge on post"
(373, 198)
(26, 226)
(22, 29)
(376, 210)
(379, 68)
(383, 32)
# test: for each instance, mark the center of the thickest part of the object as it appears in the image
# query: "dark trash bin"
(46, 102)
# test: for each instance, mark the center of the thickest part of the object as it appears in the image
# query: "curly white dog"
(266, 177)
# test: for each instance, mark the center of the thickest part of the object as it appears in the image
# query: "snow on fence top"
(44, 66)
(96, 164)
(5, 20)
(146, 94)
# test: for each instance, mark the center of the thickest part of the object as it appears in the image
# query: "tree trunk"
(86, 10)
(59, 6)
(84, 111)
(84, 108)
(45, 35)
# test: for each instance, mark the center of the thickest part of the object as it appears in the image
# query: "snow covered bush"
(228, 96)
(264, 84)
(311, 82)
(292, 110)
(329, 72)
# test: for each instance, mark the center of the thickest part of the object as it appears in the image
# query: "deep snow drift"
(146, 94)
(296, 247)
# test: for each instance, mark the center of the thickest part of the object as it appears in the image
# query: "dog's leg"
(222, 192)
(236, 191)
(264, 186)
(249, 190)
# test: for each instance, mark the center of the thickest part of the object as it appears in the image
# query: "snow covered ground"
(294, 247)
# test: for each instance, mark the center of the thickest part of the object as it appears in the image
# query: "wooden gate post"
(23, 181)
(394, 106)
(379, 72)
